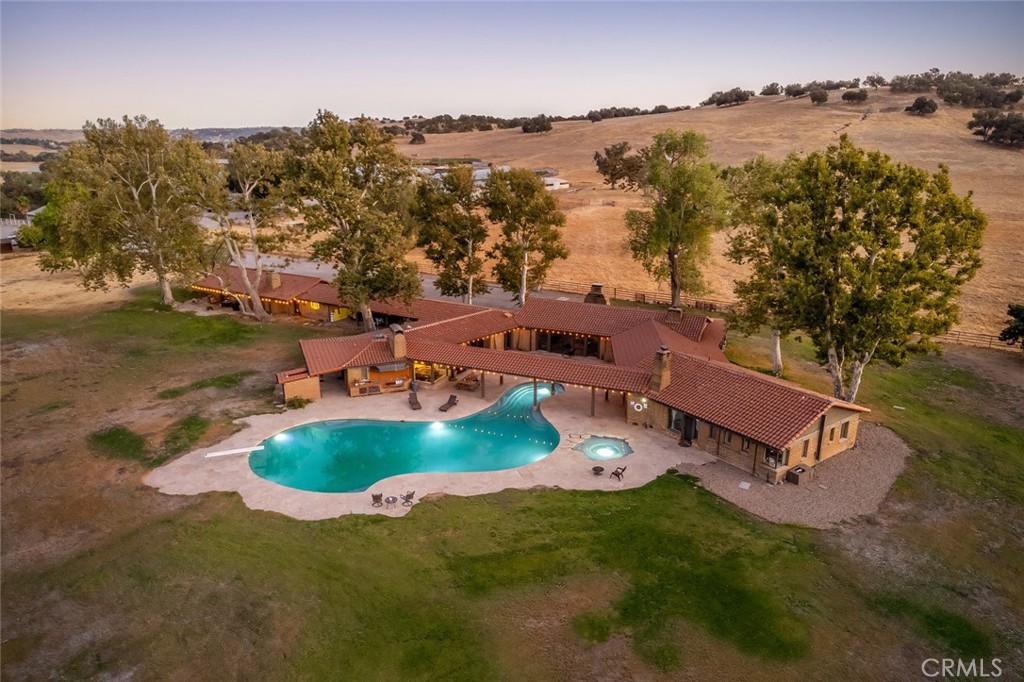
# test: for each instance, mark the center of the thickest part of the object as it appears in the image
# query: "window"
(844, 430)
(776, 458)
(676, 420)
(728, 436)
(711, 431)
(831, 434)
(745, 445)
(807, 445)
(313, 305)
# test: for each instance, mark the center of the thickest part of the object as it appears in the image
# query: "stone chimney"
(595, 295)
(661, 376)
(674, 315)
(273, 280)
(397, 341)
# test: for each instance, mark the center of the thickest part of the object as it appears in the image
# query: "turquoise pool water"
(350, 455)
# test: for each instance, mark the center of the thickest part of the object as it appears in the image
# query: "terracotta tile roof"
(636, 347)
(531, 365)
(476, 325)
(581, 318)
(764, 409)
(292, 375)
(323, 292)
(291, 285)
(690, 326)
(332, 354)
(425, 309)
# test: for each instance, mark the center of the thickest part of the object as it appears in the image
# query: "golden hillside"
(774, 126)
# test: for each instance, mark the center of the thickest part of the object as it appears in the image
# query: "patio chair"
(453, 400)
(378, 499)
(407, 498)
(414, 401)
(618, 472)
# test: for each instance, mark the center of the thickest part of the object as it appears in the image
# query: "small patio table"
(390, 501)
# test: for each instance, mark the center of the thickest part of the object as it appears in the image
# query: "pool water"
(350, 455)
(604, 447)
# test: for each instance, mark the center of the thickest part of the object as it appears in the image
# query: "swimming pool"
(350, 455)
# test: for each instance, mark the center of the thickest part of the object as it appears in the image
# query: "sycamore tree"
(688, 199)
(250, 185)
(877, 254)
(352, 185)
(763, 245)
(127, 200)
(452, 232)
(529, 219)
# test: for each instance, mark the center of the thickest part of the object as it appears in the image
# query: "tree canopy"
(618, 167)
(997, 127)
(354, 186)
(452, 232)
(688, 200)
(923, 106)
(529, 219)
(818, 96)
(877, 254)
(1013, 333)
(537, 124)
(127, 200)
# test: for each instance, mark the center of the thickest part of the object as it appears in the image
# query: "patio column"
(593, 399)
(534, 394)
(483, 381)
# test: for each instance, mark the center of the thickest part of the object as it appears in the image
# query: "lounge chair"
(407, 498)
(414, 401)
(378, 499)
(453, 400)
(618, 472)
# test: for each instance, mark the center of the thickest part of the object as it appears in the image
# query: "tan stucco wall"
(308, 388)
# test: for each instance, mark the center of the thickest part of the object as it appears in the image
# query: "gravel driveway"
(851, 484)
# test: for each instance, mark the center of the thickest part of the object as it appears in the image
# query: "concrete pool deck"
(569, 412)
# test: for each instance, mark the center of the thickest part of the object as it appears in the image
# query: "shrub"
(855, 95)
(819, 96)
(417, 138)
(922, 106)
(795, 90)
(297, 403)
(537, 124)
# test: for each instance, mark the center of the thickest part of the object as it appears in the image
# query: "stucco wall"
(308, 388)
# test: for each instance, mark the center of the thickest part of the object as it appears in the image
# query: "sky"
(228, 64)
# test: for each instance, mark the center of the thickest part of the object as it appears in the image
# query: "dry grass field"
(773, 126)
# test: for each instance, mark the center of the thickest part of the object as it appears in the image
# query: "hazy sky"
(203, 64)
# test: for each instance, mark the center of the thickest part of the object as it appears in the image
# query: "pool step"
(236, 451)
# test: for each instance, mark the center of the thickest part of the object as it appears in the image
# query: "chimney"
(595, 295)
(674, 315)
(661, 377)
(397, 341)
(273, 280)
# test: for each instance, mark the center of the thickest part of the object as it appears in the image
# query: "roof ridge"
(428, 325)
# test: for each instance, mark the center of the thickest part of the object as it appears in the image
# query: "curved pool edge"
(193, 474)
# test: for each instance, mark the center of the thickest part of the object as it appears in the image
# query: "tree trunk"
(165, 290)
(835, 368)
(364, 309)
(166, 294)
(776, 352)
(673, 277)
(856, 373)
(522, 278)
(255, 306)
